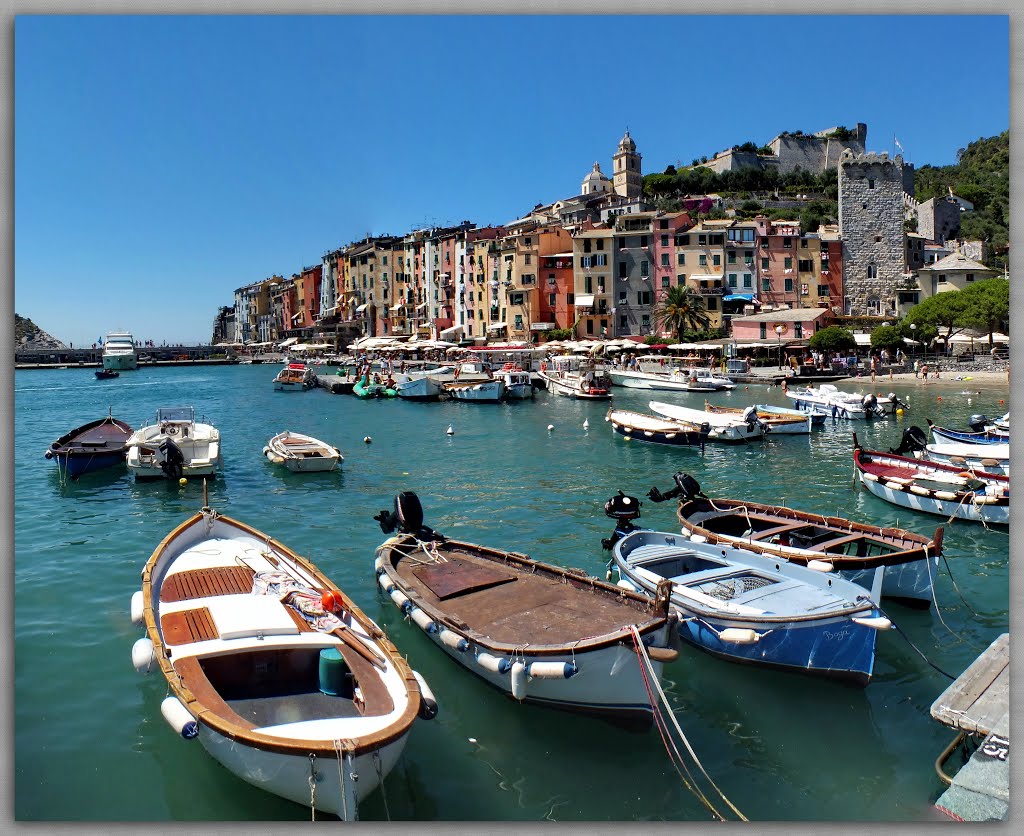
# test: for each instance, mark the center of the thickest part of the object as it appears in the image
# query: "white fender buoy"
(820, 565)
(143, 655)
(137, 608)
(494, 664)
(399, 597)
(550, 427)
(552, 670)
(586, 422)
(378, 565)
(739, 635)
(878, 622)
(968, 401)
(179, 718)
(624, 584)
(385, 582)
(450, 430)
(518, 680)
(428, 704)
(453, 640)
(423, 621)
(367, 439)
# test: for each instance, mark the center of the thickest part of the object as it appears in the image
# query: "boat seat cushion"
(239, 616)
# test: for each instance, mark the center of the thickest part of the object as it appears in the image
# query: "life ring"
(584, 386)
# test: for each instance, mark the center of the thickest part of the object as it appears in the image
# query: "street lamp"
(778, 330)
(913, 336)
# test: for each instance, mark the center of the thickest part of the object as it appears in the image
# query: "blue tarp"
(746, 297)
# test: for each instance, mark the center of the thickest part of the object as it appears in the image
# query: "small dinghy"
(538, 632)
(724, 427)
(93, 446)
(753, 608)
(857, 551)
(982, 431)
(106, 374)
(302, 453)
(280, 676)
(657, 430)
(776, 422)
(946, 490)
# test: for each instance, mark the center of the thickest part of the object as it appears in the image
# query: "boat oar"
(359, 646)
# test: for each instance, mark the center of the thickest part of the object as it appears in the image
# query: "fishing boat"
(518, 385)
(106, 374)
(422, 385)
(981, 432)
(986, 458)
(857, 551)
(828, 399)
(707, 376)
(119, 352)
(537, 632)
(723, 426)
(575, 376)
(94, 446)
(277, 672)
(302, 453)
(946, 490)
(756, 609)
(817, 418)
(777, 423)
(174, 446)
(657, 430)
(295, 377)
(478, 391)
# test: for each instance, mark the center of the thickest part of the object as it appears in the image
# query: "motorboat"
(119, 352)
(756, 609)
(777, 423)
(295, 377)
(575, 376)
(275, 671)
(174, 446)
(856, 550)
(986, 458)
(674, 381)
(657, 430)
(982, 431)
(421, 385)
(106, 374)
(817, 418)
(828, 399)
(478, 391)
(302, 453)
(538, 632)
(706, 376)
(518, 385)
(946, 490)
(93, 446)
(723, 426)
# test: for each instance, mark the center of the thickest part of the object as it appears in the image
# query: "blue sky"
(162, 162)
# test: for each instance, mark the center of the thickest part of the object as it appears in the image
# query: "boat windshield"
(175, 413)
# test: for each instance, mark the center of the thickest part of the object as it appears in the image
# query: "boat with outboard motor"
(790, 422)
(723, 426)
(984, 458)
(857, 551)
(829, 400)
(295, 377)
(748, 607)
(577, 376)
(478, 391)
(657, 430)
(274, 669)
(93, 446)
(106, 374)
(174, 446)
(540, 633)
(983, 431)
(518, 384)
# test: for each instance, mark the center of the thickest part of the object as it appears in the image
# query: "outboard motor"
(407, 517)
(623, 509)
(871, 408)
(896, 402)
(173, 459)
(913, 440)
(752, 419)
(686, 487)
(978, 423)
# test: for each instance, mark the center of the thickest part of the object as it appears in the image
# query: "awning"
(708, 277)
(421, 307)
(362, 308)
(454, 331)
(398, 307)
(542, 326)
(296, 316)
(736, 297)
(289, 341)
(862, 339)
(585, 301)
(497, 326)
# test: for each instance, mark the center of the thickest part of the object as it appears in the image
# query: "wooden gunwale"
(903, 465)
(230, 725)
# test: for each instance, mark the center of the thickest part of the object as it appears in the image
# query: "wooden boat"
(106, 374)
(174, 446)
(421, 385)
(275, 670)
(302, 453)
(657, 430)
(828, 399)
(984, 458)
(540, 633)
(478, 391)
(295, 377)
(756, 609)
(934, 488)
(980, 432)
(579, 377)
(817, 418)
(857, 551)
(93, 446)
(777, 423)
(723, 427)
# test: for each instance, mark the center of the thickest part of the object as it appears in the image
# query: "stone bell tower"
(628, 179)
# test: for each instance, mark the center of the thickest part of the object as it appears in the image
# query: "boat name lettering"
(837, 635)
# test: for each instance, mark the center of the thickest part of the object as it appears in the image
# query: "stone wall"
(938, 219)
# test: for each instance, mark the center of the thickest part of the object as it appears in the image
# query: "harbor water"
(90, 744)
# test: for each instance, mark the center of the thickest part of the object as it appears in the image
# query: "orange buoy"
(331, 601)
(1000, 402)
(939, 398)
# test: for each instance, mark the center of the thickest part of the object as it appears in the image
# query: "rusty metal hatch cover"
(458, 577)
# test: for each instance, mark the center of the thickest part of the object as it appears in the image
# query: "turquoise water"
(90, 744)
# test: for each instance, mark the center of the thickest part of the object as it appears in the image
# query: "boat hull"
(486, 391)
(984, 512)
(635, 427)
(631, 380)
(91, 447)
(419, 389)
(571, 389)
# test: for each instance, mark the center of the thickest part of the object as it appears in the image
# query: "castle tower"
(871, 225)
(626, 164)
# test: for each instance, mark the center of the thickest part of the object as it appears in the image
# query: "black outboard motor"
(896, 402)
(623, 509)
(913, 440)
(686, 487)
(871, 408)
(173, 459)
(978, 423)
(407, 517)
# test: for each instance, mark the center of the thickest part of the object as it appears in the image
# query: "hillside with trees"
(27, 333)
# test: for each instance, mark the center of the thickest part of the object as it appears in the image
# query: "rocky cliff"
(29, 335)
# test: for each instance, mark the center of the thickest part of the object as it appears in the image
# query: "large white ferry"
(119, 352)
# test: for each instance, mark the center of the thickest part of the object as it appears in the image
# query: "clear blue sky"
(162, 162)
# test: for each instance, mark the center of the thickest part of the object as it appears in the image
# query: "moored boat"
(174, 446)
(376, 388)
(276, 671)
(832, 401)
(657, 430)
(422, 385)
(538, 632)
(518, 385)
(777, 423)
(119, 352)
(981, 432)
(478, 391)
(295, 377)
(106, 374)
(674, 381)
(723, 427)
(302, 453)
(986, 458)
(573, 376)
(93, 446)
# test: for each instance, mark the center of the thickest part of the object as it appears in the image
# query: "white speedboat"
(672, 382)
(119, 352)
(174, 446)
(295, 377)
(274, 670)
(831, 401)
(518, 385)
(723, 427)
(422, 385)
(302, 453)
(574, 376)
(480, 391)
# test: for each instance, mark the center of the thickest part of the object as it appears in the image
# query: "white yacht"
(174, 446)
(119, 352)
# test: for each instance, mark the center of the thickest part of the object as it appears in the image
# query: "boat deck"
(512, 605)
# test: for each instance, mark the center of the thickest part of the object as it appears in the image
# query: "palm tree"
(681, 309)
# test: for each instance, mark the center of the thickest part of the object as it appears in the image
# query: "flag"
(897, 142)
(99, 341)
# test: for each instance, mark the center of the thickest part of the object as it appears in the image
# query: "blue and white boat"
(93, 446)
(762, 610)
(982, 431)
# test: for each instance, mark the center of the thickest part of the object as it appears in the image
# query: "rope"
(312, 785)
(935, 601)
(380, 782)
(931, 664)
(339, 753)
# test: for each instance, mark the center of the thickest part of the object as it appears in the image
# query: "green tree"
(986, 305)
(833, 338)
(680, 310)
(943, 310)
(887, 336)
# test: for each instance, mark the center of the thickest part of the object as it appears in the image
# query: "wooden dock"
(977, 705)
